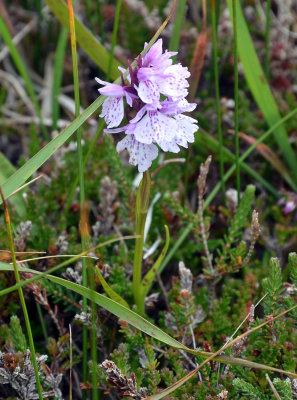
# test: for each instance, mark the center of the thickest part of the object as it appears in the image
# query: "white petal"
(149, 91)
(175, 83)
(113, 111)
(187, 126)
(170, 146)
(140, 154)
(155, 127)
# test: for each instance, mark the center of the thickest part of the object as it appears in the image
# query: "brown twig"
(201, 182)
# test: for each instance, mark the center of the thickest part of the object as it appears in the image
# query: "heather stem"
(142, 203)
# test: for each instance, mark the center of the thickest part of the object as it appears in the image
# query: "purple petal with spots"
(155, 127)
(113, 111)
(140, 154)
(148, 91)
(187, 126)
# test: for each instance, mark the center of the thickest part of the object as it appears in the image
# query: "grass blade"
(175, 37)
(58, 71)
(6, 170)
(235, 57)
(85, 38)
(32, 165)
(218, 98)
(21, 296)
(142, 324)
(267, 37)
(114, 38)
(81, 191)
(260, 88)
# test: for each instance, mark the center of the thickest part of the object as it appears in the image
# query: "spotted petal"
(155, 127)
(148, 91)
(187, 126)
(113, 111)
(140, 154)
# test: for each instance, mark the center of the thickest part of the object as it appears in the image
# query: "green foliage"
(17, 336)
(246, 389)
(273, 286)
(283, 388)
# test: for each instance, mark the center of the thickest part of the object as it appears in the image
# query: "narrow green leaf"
(32, 165)
(260, 88)
(112, 306)
(177, 27)
(139, 322)
(6, 170)
(57, 75)
(85, 38)
(109, 291)
(149, 278)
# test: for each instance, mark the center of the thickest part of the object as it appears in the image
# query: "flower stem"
(21, 295)
(142, 203)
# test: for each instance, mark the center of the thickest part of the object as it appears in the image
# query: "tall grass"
(267, 38)
(218, 98)
(21, 296)
(114, 37)
(81, 179)
(236, 134)
(177, 27)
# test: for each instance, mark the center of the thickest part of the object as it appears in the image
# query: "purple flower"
(156, 90)
(289, 207)
(289, 202)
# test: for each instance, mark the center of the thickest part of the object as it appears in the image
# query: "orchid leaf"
(109, 291)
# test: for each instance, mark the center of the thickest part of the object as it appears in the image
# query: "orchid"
(156, 91)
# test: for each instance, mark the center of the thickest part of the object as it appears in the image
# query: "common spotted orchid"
(156, 91)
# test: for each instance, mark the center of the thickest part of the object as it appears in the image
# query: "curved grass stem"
(21, 295)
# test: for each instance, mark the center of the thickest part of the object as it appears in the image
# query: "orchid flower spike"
(156, 100)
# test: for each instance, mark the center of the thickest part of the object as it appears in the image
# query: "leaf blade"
(260, 88)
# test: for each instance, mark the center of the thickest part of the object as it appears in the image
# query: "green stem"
(42, 323)
(87, 156)
(237, 164)
(218, 105)
(267, 37)
(22, 299)
(81, 180)
(142, 203)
